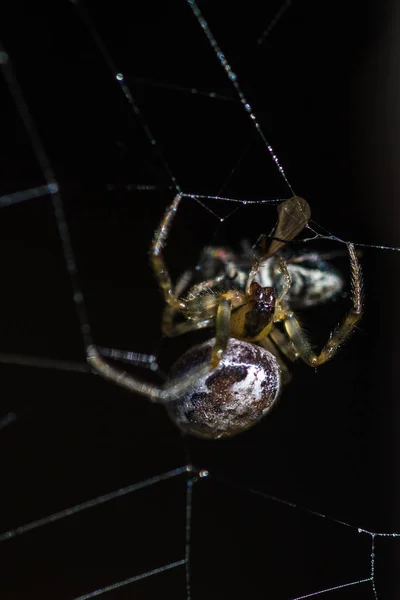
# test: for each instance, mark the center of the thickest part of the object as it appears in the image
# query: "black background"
(318, 87)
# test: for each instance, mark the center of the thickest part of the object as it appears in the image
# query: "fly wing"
(294, 214)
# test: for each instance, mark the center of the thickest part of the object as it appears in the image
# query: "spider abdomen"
(233, 397)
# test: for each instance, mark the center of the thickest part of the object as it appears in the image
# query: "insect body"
(222, 387)
(314, 279)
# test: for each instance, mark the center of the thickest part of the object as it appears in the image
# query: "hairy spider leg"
(175, 388)
(220, 306)
(285, 373)
(157, 258)
(172, 329)
(284, 344)
(342, 330)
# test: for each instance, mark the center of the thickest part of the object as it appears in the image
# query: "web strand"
(7, 420)
(120, 79)
(373, 535)
(52, 188)
(194, 476)
(179, 88)
(68, 512)
(234, 79)
(130, 580)
(188, 534)
(333, 589)
(281, 12)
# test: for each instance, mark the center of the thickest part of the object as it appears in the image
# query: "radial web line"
(29, 194)
(33, 193)
(332, 589)
(40, 191)
(237, 200)
(67, 512)
(233, 78)
(9, 418)
(312, 512)
(281, 12)
(188, 532)
(180, 88)
(271, 26)
(334, 238)
(189, 469)
(137, 187)
(373, 567)
(49, 175)
(320, 515)
(377, 246)
(119, 584)
(44, 363)
(120, 78)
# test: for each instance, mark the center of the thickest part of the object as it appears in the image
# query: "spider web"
(93, 501)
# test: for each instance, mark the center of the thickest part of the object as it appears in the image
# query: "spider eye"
(236, 395)
(263, 295)
(259, 310)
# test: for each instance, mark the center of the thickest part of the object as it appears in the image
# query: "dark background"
(323, 86)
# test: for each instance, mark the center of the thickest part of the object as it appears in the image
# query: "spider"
(314, 279)
(227, 384)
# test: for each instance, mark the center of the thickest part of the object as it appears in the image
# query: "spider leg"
(171, 295)
(138, 359)
(340, 333)
(168, 327)
(257, 264)
(222, 327)
(177, 387)
(287, 280)
(171, 329)
(157, 258)
(281, 310)
(268, 345)
(205, 286)
(284, 344)
(169, 391)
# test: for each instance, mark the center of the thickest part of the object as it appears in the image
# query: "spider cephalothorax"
(253, 321)
(223, 387)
